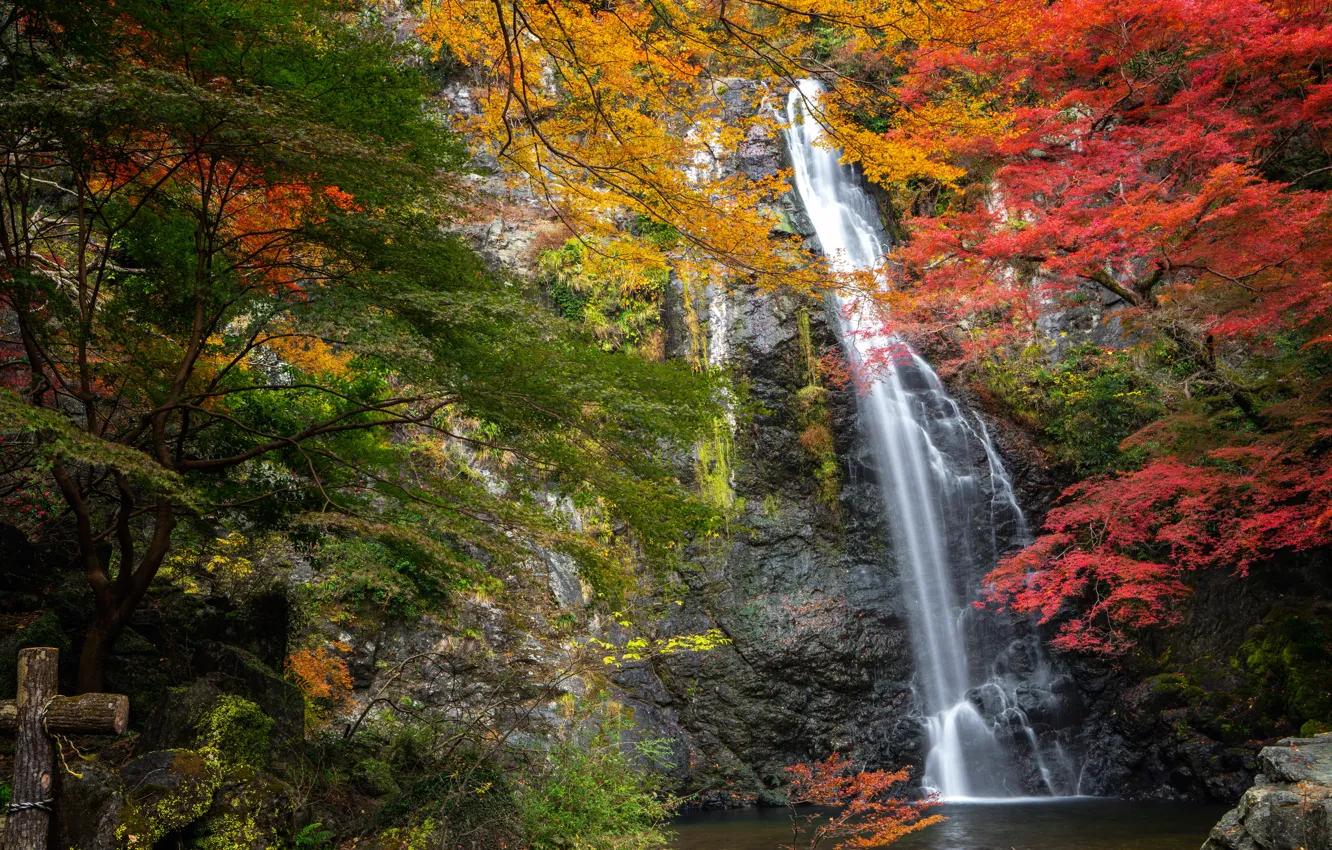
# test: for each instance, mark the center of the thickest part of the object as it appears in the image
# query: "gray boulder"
(1290, 805)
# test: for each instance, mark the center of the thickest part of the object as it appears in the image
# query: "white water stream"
(925, 445)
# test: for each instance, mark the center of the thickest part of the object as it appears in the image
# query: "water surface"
(1082, 823)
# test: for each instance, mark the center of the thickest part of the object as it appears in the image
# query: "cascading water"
(940, 502)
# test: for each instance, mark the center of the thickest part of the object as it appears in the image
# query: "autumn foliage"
(633, 106)
(1167, 151)
(1167, 159)
(1116, 552)
(870, 809)
(323, 678)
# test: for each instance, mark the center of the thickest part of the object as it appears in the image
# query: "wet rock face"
(821, 658)
(1289, 806)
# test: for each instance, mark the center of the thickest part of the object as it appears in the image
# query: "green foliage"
(816, 425)
(406, 777)
(1085, 404)
(592, 789)
(657, 232)
(1315, 727)
(62, 440)
(716, 453)
(236, 733)
(1287, 662)
(829, 38)
(312, 837)
(1176, 685)
(618, 315)
(358, 576)
(375, 777)
(308, 353)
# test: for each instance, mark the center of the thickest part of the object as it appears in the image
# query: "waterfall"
(940, 506)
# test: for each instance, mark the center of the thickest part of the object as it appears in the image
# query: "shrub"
(591, 788)
(1086, 404)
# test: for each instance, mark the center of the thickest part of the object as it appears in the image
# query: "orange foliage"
(321, 676)
(308, 353)
(602, 108)
(868, 814)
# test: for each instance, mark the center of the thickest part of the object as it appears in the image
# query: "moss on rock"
(235, 732)
(164, 791)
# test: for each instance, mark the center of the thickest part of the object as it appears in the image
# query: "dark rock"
(173, 722)
(759, 156)
(820, 658)
(89, 807)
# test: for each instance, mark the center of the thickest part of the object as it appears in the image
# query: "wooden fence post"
(29, 818)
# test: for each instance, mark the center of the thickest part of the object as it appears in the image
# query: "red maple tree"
(1174, 155)
(1116, 551)
(1168, 151)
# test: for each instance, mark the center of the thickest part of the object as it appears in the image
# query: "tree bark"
(116, 600)
(102, 714)
(97, 643)
(26, 829)
(1108, 282)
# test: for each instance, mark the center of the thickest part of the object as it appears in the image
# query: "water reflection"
(1082, 823)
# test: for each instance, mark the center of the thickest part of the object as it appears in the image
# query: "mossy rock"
(1287, 662)
(250, 811)
(237, 733)
(1173, 690)
(248, 676)
(164, 792)
(215, 713)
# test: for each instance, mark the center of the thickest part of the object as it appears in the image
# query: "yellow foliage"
(639, 648)
(306, 352)
(606, 107)
(223, 562)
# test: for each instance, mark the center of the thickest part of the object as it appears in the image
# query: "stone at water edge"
(1289, 806)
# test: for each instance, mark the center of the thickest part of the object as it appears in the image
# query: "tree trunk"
(97, 644)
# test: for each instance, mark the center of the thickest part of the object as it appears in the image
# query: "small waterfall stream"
(942, 505)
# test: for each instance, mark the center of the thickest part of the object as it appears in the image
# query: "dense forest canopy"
(229, 300)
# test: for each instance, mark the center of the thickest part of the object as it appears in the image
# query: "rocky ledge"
(1289, 806)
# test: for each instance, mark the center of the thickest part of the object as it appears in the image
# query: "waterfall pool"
(1068, 823)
